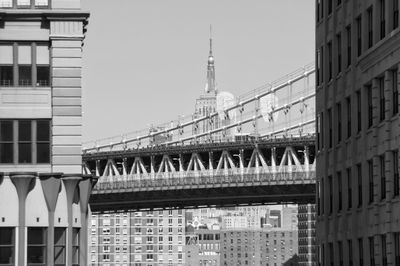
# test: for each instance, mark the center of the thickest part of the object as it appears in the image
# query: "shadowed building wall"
(357, 104)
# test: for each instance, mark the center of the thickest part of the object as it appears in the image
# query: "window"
(396, 178)
(371, 181)
(339, 52)
(320, 66)
(383, 177)
(339, 122)
(6, 141)
(348, 105)
(75, 246)
(330, 6)
(319, 10)
(331, 254)
(340, 247)
(384, 253)
(350, 246)
(322, 195)
(348, 34)
(59, 246)
(358, 95)
(7, 246)
(24, 4)
(320, 132)
(36, 246)
(395, 92)
(395, 11)
(23, 142)
(339, 180)
(330, 133)
(6, 64)
(396, 237)
(359, 179)
(370, 27)
(349, 189)
(359, 34)
(28, 66)
(381, 84)
(360, 251)
(369, 105)
(382, 20)
(371, 250)
(330, 194)
(329, 60)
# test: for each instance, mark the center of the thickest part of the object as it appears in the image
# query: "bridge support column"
(273, 160)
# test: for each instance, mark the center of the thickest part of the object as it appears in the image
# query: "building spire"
(210, 85)
(210, 54)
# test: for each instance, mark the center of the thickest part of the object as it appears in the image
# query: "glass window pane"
(43, 76)
(6, 130)
(36, 254)
(6, 76)
(42, 53)
(25, 75)
(43, 130)
(59, 255)
(6, 153)
(6, 236)
(24, 131)
(5, 3)
(6, 51)
(36, 235)
(6, 255)
(43, 153)
(25, 152)
(59, 236)
(43, 3)
(24, 54)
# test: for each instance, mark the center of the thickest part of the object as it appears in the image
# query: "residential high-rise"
(257, 246)
(357, 105)
(138, 238)
(306, 228)
(43, 195)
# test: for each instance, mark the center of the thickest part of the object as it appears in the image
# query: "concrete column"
(71, 183)
(51, 184)
(23, 182)
(85, 188)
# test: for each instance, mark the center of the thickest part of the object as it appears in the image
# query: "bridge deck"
(193, 192)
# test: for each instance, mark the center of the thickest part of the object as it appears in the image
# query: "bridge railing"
(198, 179)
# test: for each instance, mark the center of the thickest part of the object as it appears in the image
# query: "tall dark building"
(358, 129)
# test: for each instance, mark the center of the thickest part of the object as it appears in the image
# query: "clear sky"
(145, 60)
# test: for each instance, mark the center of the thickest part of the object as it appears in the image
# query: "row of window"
(363, 41)
(24, 3)
(334, 192)
(366, 248)
(24, 64)
(343, 113)
(24, 141)
(37, 246)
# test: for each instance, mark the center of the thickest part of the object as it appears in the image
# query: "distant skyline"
(145, 61)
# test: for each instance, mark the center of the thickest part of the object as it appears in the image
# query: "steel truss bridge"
(258, 149)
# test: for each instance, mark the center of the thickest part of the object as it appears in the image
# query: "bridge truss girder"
(172, 198)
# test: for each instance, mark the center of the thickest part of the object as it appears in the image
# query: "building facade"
(306, 232)
(43, 195)
(138, 238)
(357, 105)
(268, 247)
